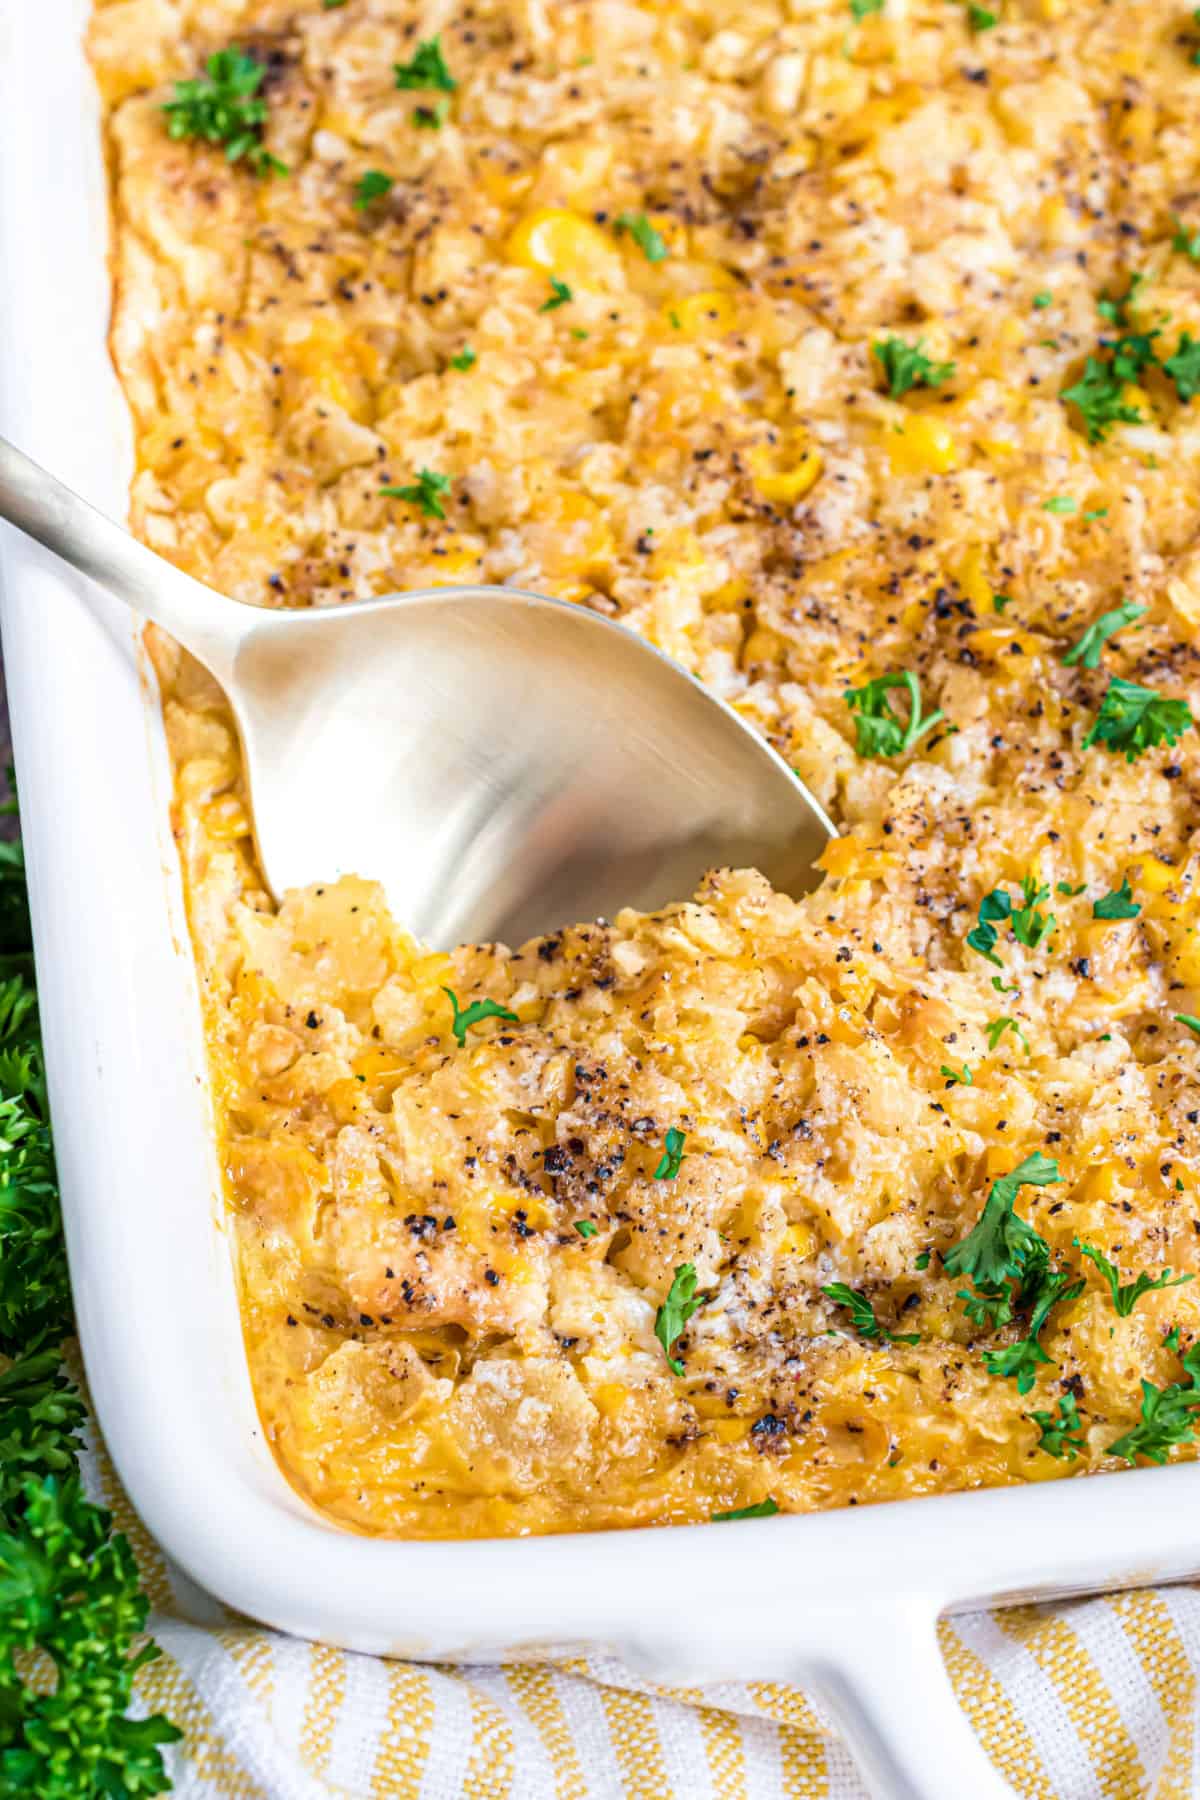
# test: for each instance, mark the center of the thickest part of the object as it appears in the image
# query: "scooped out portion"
(783, 337)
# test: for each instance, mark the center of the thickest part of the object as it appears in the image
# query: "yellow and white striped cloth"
(1087, 1700)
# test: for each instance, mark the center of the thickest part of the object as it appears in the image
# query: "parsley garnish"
(1190, 1020)
(1116, 308)
(1188, 246)
(466, 359)
(1132, 719)
(862, 1315)
(1125, 1295)
(954, 1076)
(650, 242)
(1184, 367)
(466, 1016)
(425, 492)
(1061, 1433)
(1030, 925)
(1044, 1288)
(1061, 504)
(1097, 396)
(559, 297)
(906, 366)
(224, 106)
(980, 19)
(1120, 904)
(1065, 887)
(672, 1156)
(676, 1310)
(1002, 1246)
(923, 1258)
(427, 69)
(431, 118)
(586, 1229)
(862, 9)
(1166, 1413)
(995, 1029)
(370, 187)
(880, 731)
(331, 5)
(1000, 601)
(766, 1509)
(1087, 650)
(1043, 299)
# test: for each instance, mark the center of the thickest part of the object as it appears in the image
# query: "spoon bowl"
(503, 763)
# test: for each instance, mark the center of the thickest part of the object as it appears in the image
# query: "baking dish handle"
(882, 1677)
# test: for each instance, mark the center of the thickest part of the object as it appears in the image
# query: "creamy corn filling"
(747, 322)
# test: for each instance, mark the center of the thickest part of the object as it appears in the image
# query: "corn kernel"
(974, 582)
(1157, 876)
(922, 446)
(556, 241)
(610, 1397)
(791, 484)
(709, 314)
(728, 1431)
(798, 1240)
(1185, 960)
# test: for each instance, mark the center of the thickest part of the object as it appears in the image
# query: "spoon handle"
(45, 509)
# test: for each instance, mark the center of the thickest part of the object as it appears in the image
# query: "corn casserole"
(847, 350)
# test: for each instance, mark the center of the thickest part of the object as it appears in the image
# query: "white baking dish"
(844, 1601)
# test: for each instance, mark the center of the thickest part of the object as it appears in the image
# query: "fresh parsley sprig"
(1030, 925)
(765, 1509)
(906, 366)
(426, 492)
(1120, 904)
(1167, 1417)
(862, 1315)
(1133, 718)
(879, 729)
(224, 106)
(1042, 1288)
(1184, 367)
(681, 1302)
(1061, 1431)
(672, 1156)
(425, 69)
(1126, 1294)
(466, 1016)
(1087, 649)
(371, 186)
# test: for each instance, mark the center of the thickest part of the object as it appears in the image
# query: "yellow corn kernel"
(1011, 332)
(762, 646)
(1157, 876)
(348, 1100)
(999, 449)
(798, 1240)
(556, 241)
(801, 467)
(1185, 959)
(1100, 1183)
(1055, 214)
(610, 1397)
(998, 640)
(729, 596)
(709, 314)
(922, 446)
(974, 582)
(503, 186)
(728, 1431)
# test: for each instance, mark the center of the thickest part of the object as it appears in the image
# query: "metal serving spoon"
(501, 762)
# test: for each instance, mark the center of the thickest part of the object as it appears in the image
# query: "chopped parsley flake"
(766, 1509)
(1002, 1248)
(906, 366)
(879, 730)
(1132, 719)
(560, 294)
(1120, 904)
(1190, 1020)
(995, 1029)
(1087, 650)
(862, 1315)
(1184, 368)
(1030, 925)
(371, 187)
(427, 69)
(672, 1156)
(425, 492)
(922, 1261)
(586, 1229)
(1166, 1415)
(1043, 300)
(980, 19)
(1065, 887)
(1061, 504)
(1098, 397)
(1125, 1295)
(955, 1076)
(1000, 601)
(466, 1016)
(1061, 1431)
(224, 106)
(676, 1310)
(862, 9)
(1046, 1288)
(431, 118)
(1187, 246)
(650, 242)
(466, 359)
